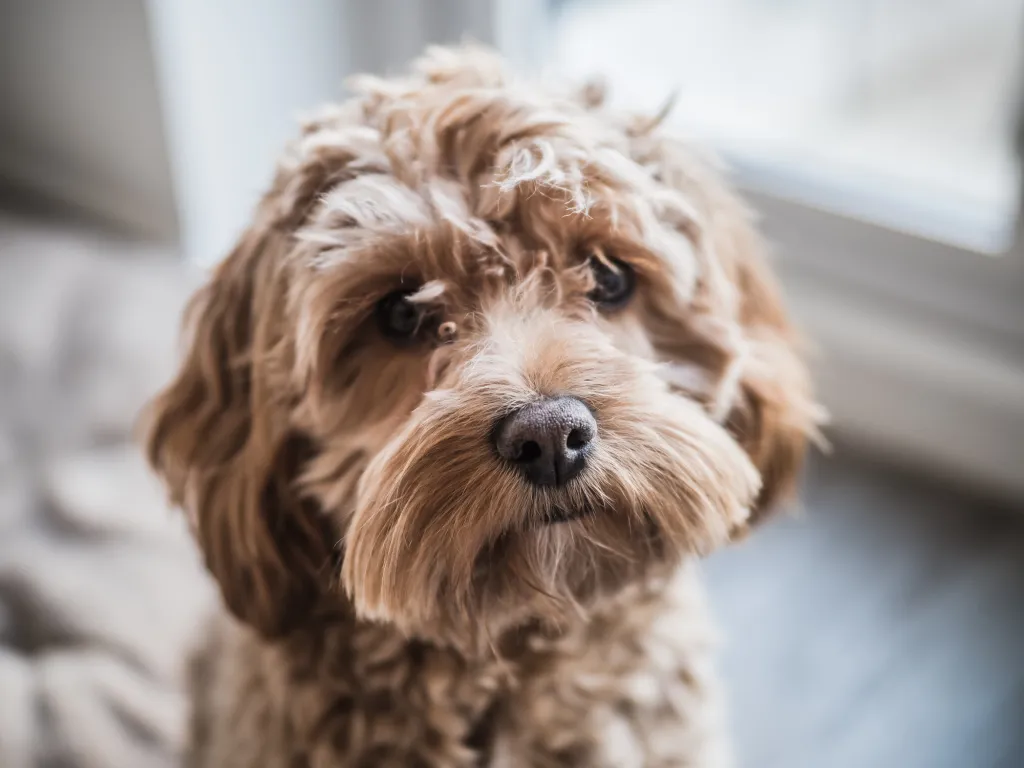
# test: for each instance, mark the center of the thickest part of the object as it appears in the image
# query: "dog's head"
(484, 355)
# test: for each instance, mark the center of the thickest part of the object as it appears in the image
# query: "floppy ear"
(774, 413)
(219, 437)
(770, 409)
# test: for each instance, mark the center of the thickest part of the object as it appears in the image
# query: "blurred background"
(880, 140)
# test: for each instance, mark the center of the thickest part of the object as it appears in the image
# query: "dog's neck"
(310, 680)
(606, 620)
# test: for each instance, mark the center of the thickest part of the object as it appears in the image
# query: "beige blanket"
(100, 590)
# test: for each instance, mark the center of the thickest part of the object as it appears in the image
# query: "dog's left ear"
(774, 414)
(771, 410)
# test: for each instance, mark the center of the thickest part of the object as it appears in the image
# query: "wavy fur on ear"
(219, 437)
(755, 379)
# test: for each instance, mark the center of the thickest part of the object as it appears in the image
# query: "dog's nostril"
(576, 440)
(529, 451)
(547, 441)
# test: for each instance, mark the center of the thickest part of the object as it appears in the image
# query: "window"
(898, 111)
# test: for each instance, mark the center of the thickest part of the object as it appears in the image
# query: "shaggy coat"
(396, 593)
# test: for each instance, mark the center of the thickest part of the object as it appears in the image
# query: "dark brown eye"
(614, 281)
(398, 318)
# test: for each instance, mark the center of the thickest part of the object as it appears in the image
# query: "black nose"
(547, 441)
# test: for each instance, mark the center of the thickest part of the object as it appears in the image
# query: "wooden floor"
(882, 629)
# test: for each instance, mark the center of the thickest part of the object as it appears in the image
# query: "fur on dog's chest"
(610, 692)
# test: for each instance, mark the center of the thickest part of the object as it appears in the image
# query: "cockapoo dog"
(489, 369)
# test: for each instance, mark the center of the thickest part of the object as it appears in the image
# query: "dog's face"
(484, 356)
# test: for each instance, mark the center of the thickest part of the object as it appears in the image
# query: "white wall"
(234, 77)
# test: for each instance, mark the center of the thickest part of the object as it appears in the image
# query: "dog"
(492, 367)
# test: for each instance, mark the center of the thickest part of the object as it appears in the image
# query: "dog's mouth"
(557, 515)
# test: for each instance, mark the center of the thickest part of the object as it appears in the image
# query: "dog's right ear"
(220, 439)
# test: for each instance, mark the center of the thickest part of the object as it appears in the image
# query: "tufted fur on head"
(322, 463)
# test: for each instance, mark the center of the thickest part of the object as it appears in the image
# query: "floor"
(882, 627)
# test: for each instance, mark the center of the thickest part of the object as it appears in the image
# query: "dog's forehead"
(446, 181)
(391, 235)
(381, 232)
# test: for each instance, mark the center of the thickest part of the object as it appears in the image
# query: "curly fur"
(395, 595)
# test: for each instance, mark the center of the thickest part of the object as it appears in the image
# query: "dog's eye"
(614, 281)
(399, 319)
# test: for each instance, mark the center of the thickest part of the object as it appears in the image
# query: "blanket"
(101, 591)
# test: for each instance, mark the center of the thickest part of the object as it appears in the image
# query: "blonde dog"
(489, 369)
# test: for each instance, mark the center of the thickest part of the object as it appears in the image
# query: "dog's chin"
(558, 515)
